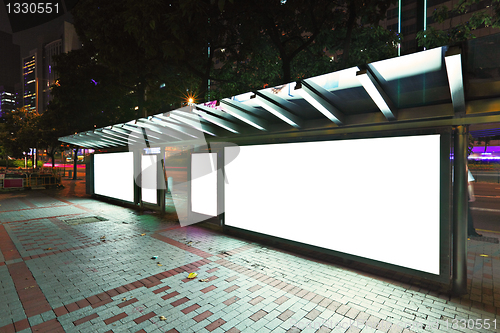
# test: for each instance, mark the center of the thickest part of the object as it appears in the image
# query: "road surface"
(486, 208)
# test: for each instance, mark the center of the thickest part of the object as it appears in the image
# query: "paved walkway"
(60, 272)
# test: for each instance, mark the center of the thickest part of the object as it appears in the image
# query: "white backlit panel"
(148, 178)
(114, 175)
(373, 198)
(204, 183)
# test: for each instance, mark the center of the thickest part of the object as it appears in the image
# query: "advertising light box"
(373, 198)
(204, 183)
(148, 178)
(114, 175)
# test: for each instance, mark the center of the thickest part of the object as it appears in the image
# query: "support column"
(220, 185)
(460, 205)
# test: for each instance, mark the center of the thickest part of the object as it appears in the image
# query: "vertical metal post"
(220, 185)
(160, 182)
(460, 206)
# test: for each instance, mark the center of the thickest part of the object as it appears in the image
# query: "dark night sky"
(20, 21)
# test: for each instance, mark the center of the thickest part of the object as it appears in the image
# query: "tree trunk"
(287, 69)
(350, 27)
(74, 163)
(141, 96)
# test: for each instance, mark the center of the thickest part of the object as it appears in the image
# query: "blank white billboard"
(204, 183)
(372, 198)
(114, 175)
(149, 179)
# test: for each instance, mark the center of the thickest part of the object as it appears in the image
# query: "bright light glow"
(409, 65)
(114, 175)
(375, 95)
(311, 193)
(204, 183)
(454, 70)
(149, 178)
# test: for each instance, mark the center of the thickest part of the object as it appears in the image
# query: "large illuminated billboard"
(149, 178)
(114, 175)
(385, 207)
(204, 183)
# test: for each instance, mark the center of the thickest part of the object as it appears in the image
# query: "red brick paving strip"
(8, 328)
(207, 289)
(172, 294)
(202, 316)
(180, 301)
(51, 326)
(286, 314)
(145, 317)
(173, 330)
(215, 324)
(115, 318)
(30, 294)
(256, 300)
(21, 325)
(190, 308)
(258, 315)
(85, 319)
(7, 246)
(233, 330)
(232, 288)
(159, 290)
(231, 300)
(281, 300)
(130, 301)
(182, 246)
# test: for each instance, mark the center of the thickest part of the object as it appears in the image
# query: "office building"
(7, 100)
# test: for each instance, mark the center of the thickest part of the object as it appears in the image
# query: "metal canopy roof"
(416, 90)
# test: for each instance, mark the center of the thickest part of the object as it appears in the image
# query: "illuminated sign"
(114, 175)
(386, 208)
(152, 151)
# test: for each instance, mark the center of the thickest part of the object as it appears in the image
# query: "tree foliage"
(20, 132)
(145, 57)
(463, 30)
(234, 45)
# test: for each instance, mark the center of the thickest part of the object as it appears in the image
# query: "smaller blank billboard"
(114, 175)
(204, 183)
(149, 178)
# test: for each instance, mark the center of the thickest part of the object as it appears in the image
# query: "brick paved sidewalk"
(62, 273)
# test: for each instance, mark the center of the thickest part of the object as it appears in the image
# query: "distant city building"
(50, 50)
(30, 84)
(7, 100)
(38, 62)
(10, 61)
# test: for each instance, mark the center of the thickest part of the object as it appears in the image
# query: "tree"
(115, 31)
(232, 45)
(21, 132)
(86, 95)
(462, 31)
(297, 28)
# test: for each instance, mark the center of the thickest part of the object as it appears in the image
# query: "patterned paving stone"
(99, 277)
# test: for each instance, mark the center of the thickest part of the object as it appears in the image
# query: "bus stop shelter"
(381, 149)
